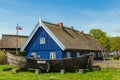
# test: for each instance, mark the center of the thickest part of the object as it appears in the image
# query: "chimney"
(71, 27)
(82, 32)
(60, 24)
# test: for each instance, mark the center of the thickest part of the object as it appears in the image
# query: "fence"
(108, 64)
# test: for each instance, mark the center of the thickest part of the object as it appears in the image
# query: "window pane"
(52, 55)
(42, 40)
(68, 55)
(78, 54)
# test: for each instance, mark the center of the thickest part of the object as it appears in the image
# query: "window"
(99, 54)
(78, 54)
(68, 55)
(52, 55)
(34, 55)
(38, 56)
(42, 40)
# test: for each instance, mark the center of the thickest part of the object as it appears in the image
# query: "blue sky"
(81, 14)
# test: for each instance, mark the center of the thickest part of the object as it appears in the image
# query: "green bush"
(19, 53)
(2, 57)
(116, 57)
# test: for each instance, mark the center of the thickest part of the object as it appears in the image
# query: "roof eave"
(71, 49)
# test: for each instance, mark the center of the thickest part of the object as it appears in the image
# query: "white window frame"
(52, 55)
(99, 54)
(42, 40)
(68, 55)
(78, 54)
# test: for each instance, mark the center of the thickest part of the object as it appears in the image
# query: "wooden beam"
(7, 69)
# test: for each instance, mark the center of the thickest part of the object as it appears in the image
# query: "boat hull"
(67, 64)
(56, 65)
(14, 60)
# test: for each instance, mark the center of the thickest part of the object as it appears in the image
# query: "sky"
(83, 15)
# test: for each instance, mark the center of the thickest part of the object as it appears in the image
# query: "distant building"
(8, 42)
(55, 41)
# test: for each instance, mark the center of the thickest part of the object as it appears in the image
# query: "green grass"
(104, 74)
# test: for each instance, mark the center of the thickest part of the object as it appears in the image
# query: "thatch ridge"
(14, 35)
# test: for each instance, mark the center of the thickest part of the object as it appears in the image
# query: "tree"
(97, 33)
(115, 43)
(101, 37)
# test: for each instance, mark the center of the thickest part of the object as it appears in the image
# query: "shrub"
(2, 57)
(116, 57)
(19, 53)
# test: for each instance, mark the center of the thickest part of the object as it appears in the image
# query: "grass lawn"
(104, 74)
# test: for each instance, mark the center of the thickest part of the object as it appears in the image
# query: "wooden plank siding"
(43, 50)
(73, 54)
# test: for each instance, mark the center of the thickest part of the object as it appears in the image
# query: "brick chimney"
(71, 27)
(60, 24)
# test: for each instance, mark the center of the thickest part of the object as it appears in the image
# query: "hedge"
(3, 57)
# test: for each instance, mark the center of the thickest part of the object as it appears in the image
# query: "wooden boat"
(58, 64)
(49, 65)
(14, 60)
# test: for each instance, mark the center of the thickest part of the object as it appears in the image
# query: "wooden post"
(7, 69)
(62, 71)
(37, 71)
(16, 40)
(91, 58)
(16, 70)
(90, 61)
(81, 71)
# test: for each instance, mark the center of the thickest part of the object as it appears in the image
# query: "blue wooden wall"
(73, 53)
(43, 50)
(35, 42)
(98, 56)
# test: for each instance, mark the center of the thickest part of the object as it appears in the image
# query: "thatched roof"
(9, 41)
(74, 39)
(66, 38)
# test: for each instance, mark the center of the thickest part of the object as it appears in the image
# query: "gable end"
(41, 24)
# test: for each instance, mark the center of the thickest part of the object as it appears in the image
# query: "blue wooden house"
(55, 41)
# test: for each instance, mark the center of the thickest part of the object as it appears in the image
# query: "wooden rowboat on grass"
(67, 64)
